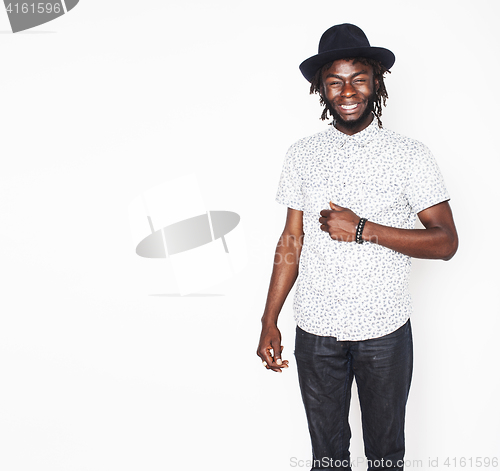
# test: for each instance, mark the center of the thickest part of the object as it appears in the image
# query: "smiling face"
(349, 93)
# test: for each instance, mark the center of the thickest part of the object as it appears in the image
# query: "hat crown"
(342, 36)
(344, 41)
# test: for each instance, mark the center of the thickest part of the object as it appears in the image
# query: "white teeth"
(349, 107)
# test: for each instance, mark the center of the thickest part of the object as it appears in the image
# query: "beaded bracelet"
(359, 230)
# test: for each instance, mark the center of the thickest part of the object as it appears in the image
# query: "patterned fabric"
(346, 290)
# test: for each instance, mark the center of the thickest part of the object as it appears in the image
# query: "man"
(353, 193)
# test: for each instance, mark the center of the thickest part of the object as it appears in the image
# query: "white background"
(102, 367)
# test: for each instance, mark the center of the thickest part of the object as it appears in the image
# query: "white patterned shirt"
(347, 290)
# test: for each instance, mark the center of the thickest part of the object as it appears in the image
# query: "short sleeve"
(426, 185)
(290, 186)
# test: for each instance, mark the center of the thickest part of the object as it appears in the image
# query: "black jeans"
(382, 368)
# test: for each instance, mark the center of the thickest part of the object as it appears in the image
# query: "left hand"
(339, 222)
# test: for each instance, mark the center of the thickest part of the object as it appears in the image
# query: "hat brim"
(310, 66)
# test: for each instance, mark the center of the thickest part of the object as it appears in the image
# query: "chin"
(350, 123)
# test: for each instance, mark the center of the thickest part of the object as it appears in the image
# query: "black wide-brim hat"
(341, 42)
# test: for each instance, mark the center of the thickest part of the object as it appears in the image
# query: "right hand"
(270, 348)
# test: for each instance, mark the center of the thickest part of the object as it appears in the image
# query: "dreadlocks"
(378, 74)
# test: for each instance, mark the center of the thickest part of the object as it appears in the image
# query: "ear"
(376, 83)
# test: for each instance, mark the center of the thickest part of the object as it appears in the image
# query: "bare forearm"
(432, 243)
(285, 271)
(438, 240)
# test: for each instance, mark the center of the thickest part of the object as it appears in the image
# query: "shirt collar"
(361, 138)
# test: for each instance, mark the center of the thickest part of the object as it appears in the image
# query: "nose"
(348, 90)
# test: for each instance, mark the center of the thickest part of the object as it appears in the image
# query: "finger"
(279, 360)
(272, 364)
(266, 356)
(270, 359)
(324, 228)
(277, 348)
(279, 363)
(336, 207)
(285, 362)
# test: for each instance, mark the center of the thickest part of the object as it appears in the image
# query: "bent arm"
(285, 271)
(439, 239)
